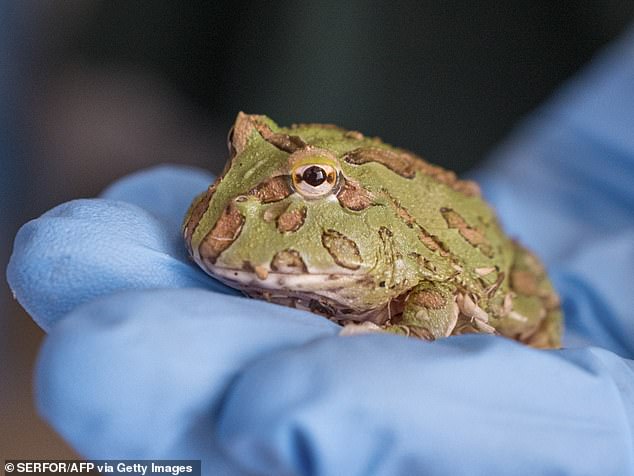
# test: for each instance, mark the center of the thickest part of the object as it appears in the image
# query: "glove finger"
(89, 248)
(467, 405)
(165, 191)
(138, 374)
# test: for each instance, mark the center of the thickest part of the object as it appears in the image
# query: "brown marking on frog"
(524, 282)
(223, 234)
(430, 241)
(474, 236)
(353, 196)
(288, 261)
(284, 142)
(241, 131)
(401, 211)
(272, 189)
(428, 299)
(407, 164)
(401, 164)
(198, 210)
(291, 220)
(342, 249)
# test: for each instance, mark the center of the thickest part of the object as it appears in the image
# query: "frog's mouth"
(333, 295)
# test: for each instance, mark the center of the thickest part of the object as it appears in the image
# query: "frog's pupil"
(314, 175)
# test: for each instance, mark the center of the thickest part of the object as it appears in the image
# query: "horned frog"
(371, 236)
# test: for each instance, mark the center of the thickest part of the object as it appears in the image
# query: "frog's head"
(300, 216)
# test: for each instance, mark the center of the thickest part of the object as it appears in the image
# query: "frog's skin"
(371, 236)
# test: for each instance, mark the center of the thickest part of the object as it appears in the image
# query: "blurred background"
(90, 91)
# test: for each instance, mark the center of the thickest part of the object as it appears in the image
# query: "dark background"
(94, 90)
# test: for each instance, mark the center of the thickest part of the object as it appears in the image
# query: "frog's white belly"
(328, 294)
(304, 281)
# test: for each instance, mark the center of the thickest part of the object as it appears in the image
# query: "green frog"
(325, 219)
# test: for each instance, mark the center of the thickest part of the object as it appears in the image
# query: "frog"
(371, 236)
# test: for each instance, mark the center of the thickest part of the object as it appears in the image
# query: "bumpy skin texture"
(388, 238)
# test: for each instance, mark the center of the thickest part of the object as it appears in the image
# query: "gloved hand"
(147, 357)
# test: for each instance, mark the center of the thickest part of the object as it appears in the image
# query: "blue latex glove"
(138, 364)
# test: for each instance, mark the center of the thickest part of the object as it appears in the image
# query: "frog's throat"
(320, 293)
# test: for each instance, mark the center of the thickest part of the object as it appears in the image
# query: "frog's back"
(499, 285)
(451, 236)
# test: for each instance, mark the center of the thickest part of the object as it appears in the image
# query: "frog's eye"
(314, 180)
